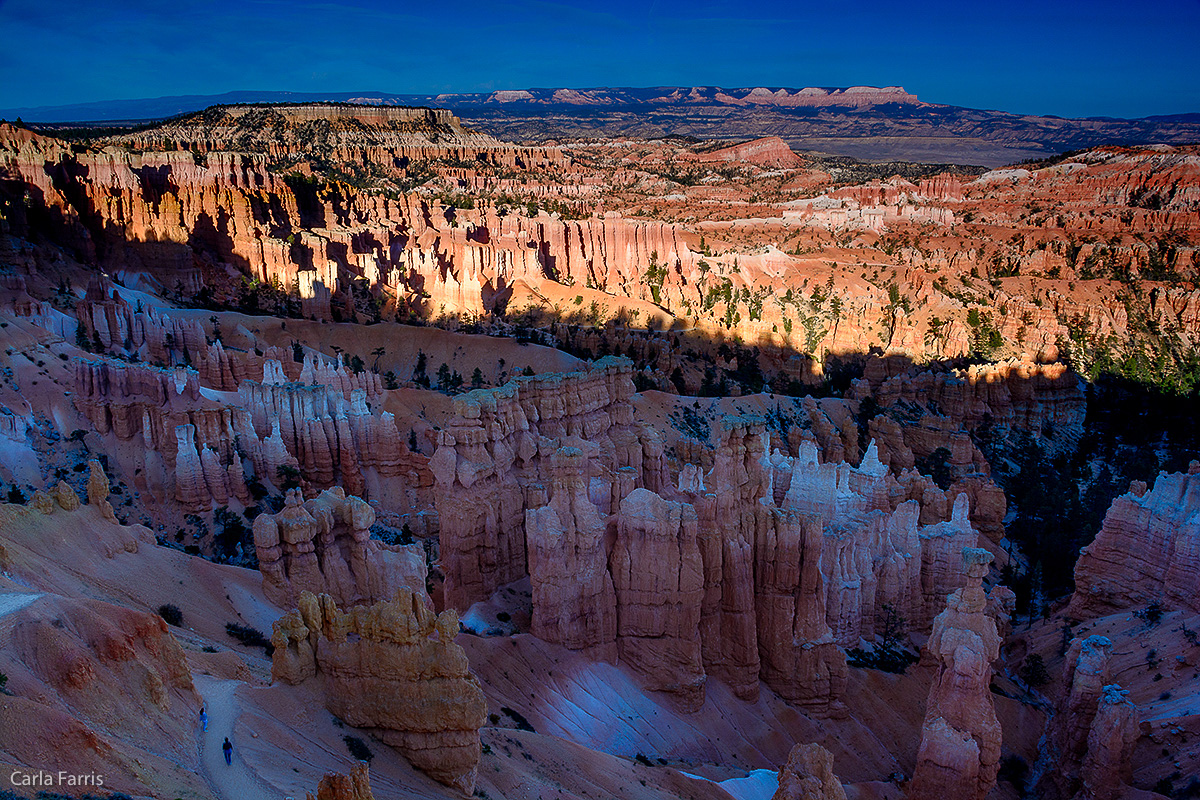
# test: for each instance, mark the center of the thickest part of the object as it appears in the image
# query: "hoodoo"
(612, 442)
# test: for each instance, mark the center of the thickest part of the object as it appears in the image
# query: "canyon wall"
(201, 448)
(198, 217)
(1147, 551)
(762, 566)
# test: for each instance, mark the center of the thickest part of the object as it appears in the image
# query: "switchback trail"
(231, 782)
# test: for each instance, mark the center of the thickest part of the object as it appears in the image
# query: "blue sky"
(1069, 58)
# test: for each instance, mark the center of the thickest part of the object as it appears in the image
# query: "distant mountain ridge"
(152, 108)
(871, 123)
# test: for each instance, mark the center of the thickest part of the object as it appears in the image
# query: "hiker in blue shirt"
(203, 720)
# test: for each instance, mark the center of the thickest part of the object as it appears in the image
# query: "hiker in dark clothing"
(228, 748)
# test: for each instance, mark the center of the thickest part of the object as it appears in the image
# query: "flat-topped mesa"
(495, 451)
(383, 134)
(381, 116)
(959, 755)
(324, 546)
(1147, 550)
(857, 96)
(394, 669)
(769, 151)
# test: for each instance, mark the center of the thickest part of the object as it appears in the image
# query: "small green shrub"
(1033, 671)
(1151, 615)
(171, 614)
(358, 748)
(516, 716)
(249, 637)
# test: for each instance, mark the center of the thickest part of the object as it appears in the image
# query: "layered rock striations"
(799, 657)
(203, 449)
(1015, 394)
(156, 211)
(336, 786)
(393, 669)
(324, 546)
(659, 582)
(808, 775)
(1107, 770)
(1147, 550)
(494, 461)
(959, 754)
(101, 673)
(769, 151)
(195, 214)
(386, 135)
(574, 602)
(762, 567)
(1088, 742)
(732, 524)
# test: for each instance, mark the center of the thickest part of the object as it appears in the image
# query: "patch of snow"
(15, 602)
(481, 620)
(760, 784)
(998, 175)
(1064, 168)
(223, 397)
(474, 621)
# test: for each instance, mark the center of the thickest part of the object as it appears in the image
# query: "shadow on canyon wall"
(1059, 483)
